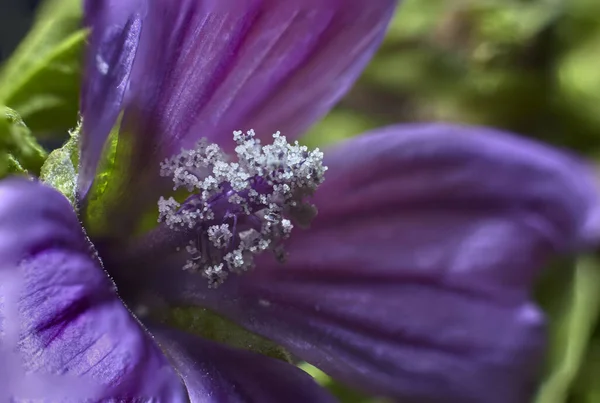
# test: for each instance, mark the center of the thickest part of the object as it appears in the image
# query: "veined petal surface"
(414, 280)
(65, 335)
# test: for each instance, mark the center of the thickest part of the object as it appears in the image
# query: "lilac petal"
(414, 279)
(218, 66)
(270, 65)
(116, 29)
(216, 373)
(64, 332)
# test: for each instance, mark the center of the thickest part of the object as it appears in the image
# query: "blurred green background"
(529, 66)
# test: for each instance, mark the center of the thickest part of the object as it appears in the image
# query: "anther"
(239, 209)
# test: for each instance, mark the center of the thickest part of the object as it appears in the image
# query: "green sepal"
(42, 78)
(342, 392)
(19, 151)
(9, 165)
(61, 167)
(209, 325)
(569, 294)
(99, 198)
(587, 387)
(105, 196)
(12, 165)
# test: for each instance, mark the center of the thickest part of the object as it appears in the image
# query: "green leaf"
(572, 302)
(41, 80)
(60, 169)
(9, 165)
(19, 152)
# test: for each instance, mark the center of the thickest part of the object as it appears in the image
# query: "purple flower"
(412, 282)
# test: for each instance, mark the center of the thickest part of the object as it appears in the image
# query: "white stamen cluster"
(238, 209)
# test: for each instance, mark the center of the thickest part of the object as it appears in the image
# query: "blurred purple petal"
(414, 279)
(65, 333)
(216, 373)
(206, 68)
(116, 28)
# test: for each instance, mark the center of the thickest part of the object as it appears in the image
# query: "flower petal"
(64, 332)
(414, 279)
(116, 29)
(270, 65)
(216, 373)
(206, 68)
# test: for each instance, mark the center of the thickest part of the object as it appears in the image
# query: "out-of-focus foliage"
(531, 66)
(19, 152)
(41, 79)
(569, 292)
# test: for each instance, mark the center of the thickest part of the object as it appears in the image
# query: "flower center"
(240, 209)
